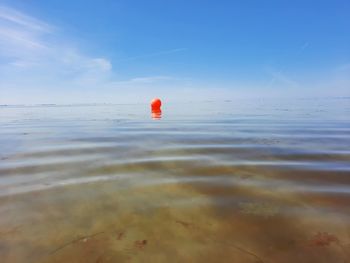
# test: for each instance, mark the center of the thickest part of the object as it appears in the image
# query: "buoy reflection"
(156, 114)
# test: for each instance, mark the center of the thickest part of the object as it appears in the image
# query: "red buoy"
(156, 104)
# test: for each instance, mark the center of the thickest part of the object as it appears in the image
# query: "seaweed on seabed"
(259, 209)
(83, 238)
(323, 239)
(140, 243)
(184, 224)
(192, 226)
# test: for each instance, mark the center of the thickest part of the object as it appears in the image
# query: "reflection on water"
(156, 114)
(229, 182)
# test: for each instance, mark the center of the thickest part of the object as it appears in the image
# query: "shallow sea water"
(235, 181)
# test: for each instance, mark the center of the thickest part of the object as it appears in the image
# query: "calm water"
(249, 181)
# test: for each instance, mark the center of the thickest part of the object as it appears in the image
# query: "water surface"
(235, 181)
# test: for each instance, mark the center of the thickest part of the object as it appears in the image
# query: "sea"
(244, 181)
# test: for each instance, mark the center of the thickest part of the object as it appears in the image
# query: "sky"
(129, 51)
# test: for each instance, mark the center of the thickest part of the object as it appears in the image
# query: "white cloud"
(38, 65)
(149, 79)
(19, 18)
(31, 44)
(21, 36)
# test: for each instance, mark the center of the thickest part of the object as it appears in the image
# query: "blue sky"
(121, 51)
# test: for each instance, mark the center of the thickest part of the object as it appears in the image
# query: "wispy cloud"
(305, 46)
(21, 19)
(50, 66)
(155, 54)
(278, 77)
(27, 42)
(38, 63)
(149, 79)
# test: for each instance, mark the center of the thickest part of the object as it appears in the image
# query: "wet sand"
(259, 182)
